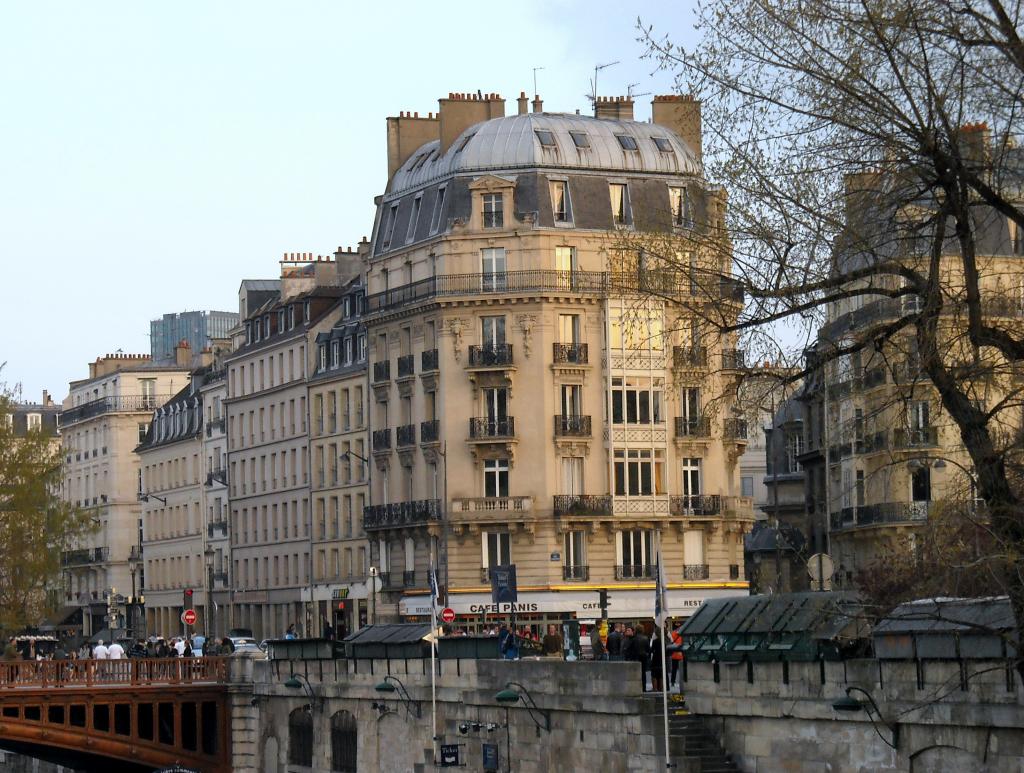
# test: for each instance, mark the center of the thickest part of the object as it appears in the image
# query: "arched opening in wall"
(270, 752)
(344, 743)
(946, 759)
(300, 738)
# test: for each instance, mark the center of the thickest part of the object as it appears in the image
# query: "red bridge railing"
(112, 673)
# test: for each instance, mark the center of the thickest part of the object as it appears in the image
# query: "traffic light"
(602, 596)
(187, 600)
(341, 606)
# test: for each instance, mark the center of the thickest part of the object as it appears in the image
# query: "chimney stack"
(538, 104)
(524, 103)
(614, 108)
(681, 114)
(460, 111)
(407, 133)
(183, 354)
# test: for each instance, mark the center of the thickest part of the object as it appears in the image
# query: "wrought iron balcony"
(572, 426)
(84, 556)
(576, 354)
(406, 435)
(735, 429)
(406, 366)
(875, 377)
(485, 427)
(220, 579)
(696, 571)
(690, 356)
(430, 431)
(922, 437)
(634, 572)
(695, 504)
(399, 514)
(382, 439)
(576, 573)
(382, 371)
(697, 428)
(428, 360)
(734, 359)
(409, 578)
(582, 504)
(119, 404)
(882, 513)
(217, 529)
(215, 425)
(490, 356)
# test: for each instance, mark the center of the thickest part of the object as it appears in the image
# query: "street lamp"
(298, 682)
(508, 696)
(208, 555)
(392, 685)
(134, 564)
(373, 596)
(850, 704)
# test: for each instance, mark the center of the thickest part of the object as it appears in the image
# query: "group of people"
(634, 643)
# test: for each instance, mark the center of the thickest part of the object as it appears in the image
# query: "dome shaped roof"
(570, 142)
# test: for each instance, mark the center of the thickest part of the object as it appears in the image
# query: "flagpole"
(664, 694)
(661, 614)
(433, 662)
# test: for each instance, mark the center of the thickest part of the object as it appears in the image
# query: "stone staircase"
(692, 747)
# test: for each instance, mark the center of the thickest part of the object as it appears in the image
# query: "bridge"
(144, 713)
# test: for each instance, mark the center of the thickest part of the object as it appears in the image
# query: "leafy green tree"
(36, 525)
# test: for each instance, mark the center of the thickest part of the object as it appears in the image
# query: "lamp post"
(373, 595)
(208, 555)
(850, 704)
(134, 564)
(513, 693)
(300, 682)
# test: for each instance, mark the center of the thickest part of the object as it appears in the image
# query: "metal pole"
(444, 523)
(433, 660)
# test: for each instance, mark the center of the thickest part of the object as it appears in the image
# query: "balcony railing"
(922, 437)
(430, 431)
(382, 439)
(399, 514)
(693, 427)
(382, 371)
(490, 356)
(492, 504)
(695, 504)
(696, 571)
(735, 429)
(406, 366)
(733, 359)
(217, 529)
(572, 426)
(582, 504)
(875, 377)
(576, 354)
(428, 360)
(576, 573)
(119, 404)
(634, 572)
(406, 435)
(221, 579)
(485, 427)
(690, 356)
(215, 425)
(581, 282)
(84, 556)
(409, 578)
(885, 512)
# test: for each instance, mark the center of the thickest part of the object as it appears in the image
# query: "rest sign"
(447, 615)
(189, 617)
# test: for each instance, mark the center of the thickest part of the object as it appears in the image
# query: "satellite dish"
(821, 567)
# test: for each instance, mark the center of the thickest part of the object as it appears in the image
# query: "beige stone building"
(531, 403)
(339, 452)
(103, 420)
(217, 553)
(268, 445)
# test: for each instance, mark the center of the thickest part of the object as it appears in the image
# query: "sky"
(153, 155)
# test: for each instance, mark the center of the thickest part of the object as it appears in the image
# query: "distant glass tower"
(196, 327)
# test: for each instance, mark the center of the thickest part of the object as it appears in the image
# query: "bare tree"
(870, 150)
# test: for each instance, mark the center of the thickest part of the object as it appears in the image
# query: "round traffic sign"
(447, 615)
(189, 617)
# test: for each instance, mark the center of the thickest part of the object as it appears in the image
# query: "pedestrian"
(597, 650)
(227, 647)
(677, 654)
(654, 659)
(179, 646)
(290, 633)
(641, 647)
(552, 642)
(99, 652)
(615, 642)
(328, 630)
(186, 649)
(115, 651)
(507, 643)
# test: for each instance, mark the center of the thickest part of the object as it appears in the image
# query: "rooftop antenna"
(593, 84)
(535, 92)
(630, 94)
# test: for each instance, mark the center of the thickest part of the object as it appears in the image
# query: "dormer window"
(348, 308)
(335, 354)
(362, 347)
(321, 354)
(662, 144)
(580, 140)
(626, 141)
(560, 201)
(680, 202)
(266, 326)
(291, 316)
(348, 351)
(465, 142)
(280, 320)
(305, 311)
(546, 138)
(257, 329)
(435, 218)
(494, 215)
(248, 332)
(389, 229)
(414, 219)
(620, 203)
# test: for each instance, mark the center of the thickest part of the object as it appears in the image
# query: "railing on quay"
(112, 673)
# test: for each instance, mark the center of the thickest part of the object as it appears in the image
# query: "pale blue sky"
(152, 155)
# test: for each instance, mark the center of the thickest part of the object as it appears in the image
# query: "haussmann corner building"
(527, 405)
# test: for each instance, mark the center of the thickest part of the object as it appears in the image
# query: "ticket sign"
(450, 756)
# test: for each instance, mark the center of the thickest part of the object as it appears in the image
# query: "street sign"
(490, 753)
(503, 584)
(189, 617)
(450, 755)
(447, 615)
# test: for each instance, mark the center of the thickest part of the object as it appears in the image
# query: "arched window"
(300, 738)
(344, 742)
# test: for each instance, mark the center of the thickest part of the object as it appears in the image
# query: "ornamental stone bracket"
(432, 453)
(573, 446)
(407, 455)
(526, 323)
(456, 329)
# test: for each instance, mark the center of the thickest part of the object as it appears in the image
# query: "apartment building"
(217, 552)
(104, 418)
(532, 403)
(338, 448)
(882, 457)
(268, 445)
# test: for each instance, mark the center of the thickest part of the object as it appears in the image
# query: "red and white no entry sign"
(189, 617)
(447, 615)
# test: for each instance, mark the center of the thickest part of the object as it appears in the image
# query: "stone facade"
(777, 718)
